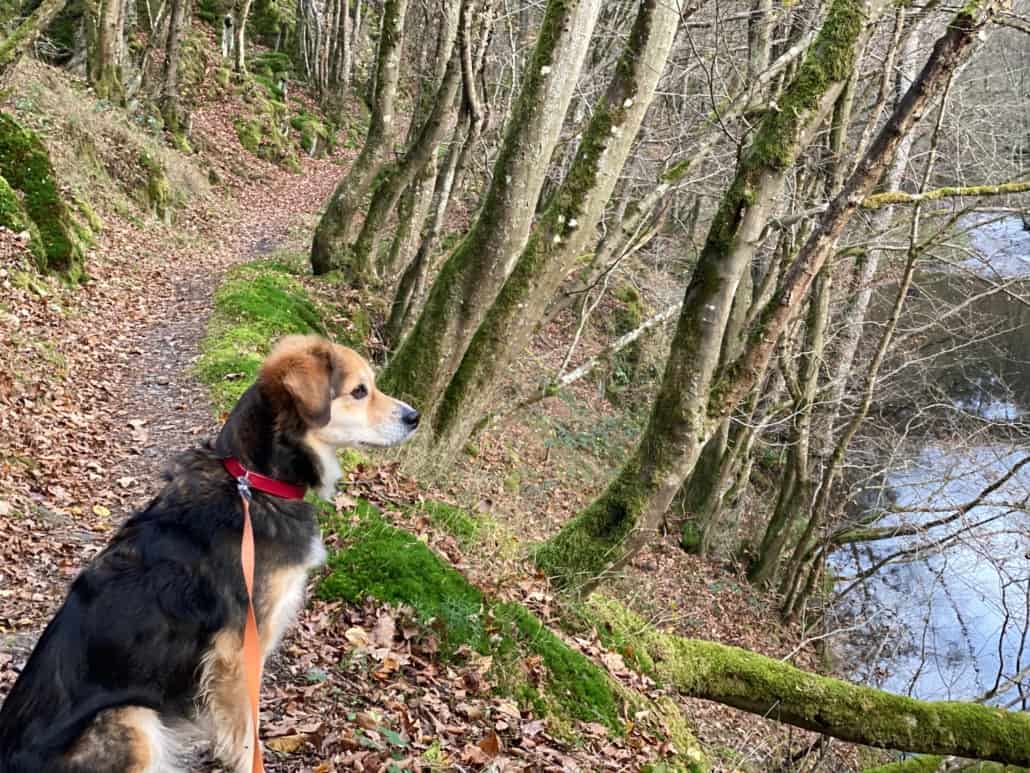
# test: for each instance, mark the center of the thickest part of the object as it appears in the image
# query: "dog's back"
(131, 634)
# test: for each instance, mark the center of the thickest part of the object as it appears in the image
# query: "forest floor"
(98, 393)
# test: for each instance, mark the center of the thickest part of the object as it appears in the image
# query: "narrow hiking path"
(98, 392)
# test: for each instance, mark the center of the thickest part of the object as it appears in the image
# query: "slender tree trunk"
(335, 230)
(821, 508)
(241, 13)
(402, 174)
(413, 280)
(566, 226)
(170, 110)
(625, 516)
(106, 66)
(473, 274)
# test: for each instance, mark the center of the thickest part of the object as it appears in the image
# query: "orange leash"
(251, 642)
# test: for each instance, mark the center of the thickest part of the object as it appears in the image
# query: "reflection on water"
(946, 623)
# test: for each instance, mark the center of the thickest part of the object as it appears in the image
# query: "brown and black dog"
(146, 648)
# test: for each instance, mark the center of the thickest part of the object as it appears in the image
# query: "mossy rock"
(316, 138)
(14, 218)
(25, 164)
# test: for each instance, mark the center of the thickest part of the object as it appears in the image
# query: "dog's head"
(328, 392)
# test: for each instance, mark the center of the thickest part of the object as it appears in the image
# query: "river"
(951, 623)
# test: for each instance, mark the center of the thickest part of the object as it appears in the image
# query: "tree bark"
(404, 173)
(473, 274)
(170, 87)
(336, 228)
(241, 12)
(618, 522)
(105, 68)
(568, 223)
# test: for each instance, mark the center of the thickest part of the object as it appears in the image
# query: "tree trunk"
(170, 87)
(335, 230)
(239, 47)
(106, 66)
(473, 274)
(776, 690)
(407, 169)
(568, 223)
(618, 522)
(413, 280)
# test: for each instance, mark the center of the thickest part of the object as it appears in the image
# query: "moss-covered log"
(879, 200)
(25, 165)
(777, 690)
(937, 764)
(568, 223)
(473, 274)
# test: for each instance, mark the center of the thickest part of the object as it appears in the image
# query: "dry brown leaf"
(287, 744)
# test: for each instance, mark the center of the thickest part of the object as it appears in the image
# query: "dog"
(146, 649)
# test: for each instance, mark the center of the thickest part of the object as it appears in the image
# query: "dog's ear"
(304, 367)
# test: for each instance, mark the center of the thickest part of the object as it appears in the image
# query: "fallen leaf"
(384, 630)
(356, 636)
(287, 744)
(102, 511)
(491, 744)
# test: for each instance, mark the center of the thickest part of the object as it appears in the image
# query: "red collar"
(262, 482)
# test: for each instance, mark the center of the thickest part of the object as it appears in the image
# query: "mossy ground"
(378, 560)
(26, 167)
(256, 304)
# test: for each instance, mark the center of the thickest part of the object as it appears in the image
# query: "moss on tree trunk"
(628, 513)
(568, 223)
(473, 274)
(779, 691)
(25, 165)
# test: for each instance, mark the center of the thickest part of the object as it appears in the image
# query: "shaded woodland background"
(716, 313)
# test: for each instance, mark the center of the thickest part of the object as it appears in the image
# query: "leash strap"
(251, 642)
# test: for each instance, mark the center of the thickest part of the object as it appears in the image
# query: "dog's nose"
(411, 418)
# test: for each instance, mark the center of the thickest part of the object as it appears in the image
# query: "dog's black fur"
(137, 621)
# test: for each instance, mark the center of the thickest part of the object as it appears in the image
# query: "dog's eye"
(358, 392)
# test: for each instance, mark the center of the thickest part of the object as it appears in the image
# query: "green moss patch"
(25, 165)
(461, 524)
(257, 304)
(14, 218)
(378, 560)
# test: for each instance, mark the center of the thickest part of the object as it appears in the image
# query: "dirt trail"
(100, 424)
